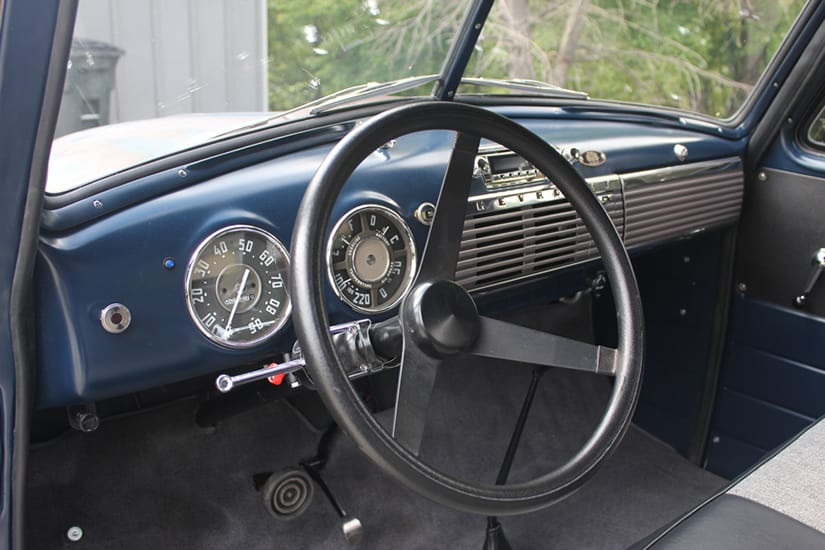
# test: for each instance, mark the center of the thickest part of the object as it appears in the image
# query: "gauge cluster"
(237, 290)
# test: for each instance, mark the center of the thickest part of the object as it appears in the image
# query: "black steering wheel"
(438, 318)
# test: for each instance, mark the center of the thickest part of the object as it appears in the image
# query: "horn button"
(442, 318)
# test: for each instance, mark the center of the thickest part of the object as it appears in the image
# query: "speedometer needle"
(228, 329)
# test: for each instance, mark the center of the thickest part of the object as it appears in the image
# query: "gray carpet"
(154, 481)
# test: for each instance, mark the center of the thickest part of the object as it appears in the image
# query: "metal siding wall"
(181, 56)
(210, 63)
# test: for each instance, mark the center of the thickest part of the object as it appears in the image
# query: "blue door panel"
(755, 373)
(772, 383)
(729, 457)
(757, 422)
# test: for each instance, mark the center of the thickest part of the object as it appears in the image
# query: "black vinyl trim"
(737, 523)
(22, 297)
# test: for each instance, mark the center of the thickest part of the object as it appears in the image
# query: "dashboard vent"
(509, 237)
(661, 205)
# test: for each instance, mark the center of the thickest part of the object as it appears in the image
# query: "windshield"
(703, 56)
(149, 79)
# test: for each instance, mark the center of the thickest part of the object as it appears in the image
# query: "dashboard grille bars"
(520, 235)
(516, 234)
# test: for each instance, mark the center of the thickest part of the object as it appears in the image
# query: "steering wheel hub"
(442, 318)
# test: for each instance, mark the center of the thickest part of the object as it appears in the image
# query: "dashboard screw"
(97, 204)
(182, 173)
(742, 287)
(762, 176)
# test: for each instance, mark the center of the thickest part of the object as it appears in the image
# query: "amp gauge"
(371, 258)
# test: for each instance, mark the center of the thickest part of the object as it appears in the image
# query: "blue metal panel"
(26, 34)
(119, 259)
(628, 145)
(773, 382)
(779, 330)
(678, 284)
(775, 379)
(756, 422)
(729, 457)
(92, 257)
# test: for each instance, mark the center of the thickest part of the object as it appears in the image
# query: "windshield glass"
(703, 56)
(148, 79)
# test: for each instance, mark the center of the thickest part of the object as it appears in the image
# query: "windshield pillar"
(462, 49)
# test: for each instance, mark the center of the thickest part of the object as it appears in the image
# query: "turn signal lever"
(365, 348)
(819, 266)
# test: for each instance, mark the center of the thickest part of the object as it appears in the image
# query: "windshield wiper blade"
(366, 91)
(359, 92)
(376, 89)
(340, 99)
(525, 85)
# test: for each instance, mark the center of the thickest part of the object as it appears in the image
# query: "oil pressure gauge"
(236, 286)
(371, 258)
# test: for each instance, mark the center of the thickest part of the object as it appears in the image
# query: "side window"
(815, 136)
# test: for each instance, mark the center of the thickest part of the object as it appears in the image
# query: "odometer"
(236, 286)
(371, 258)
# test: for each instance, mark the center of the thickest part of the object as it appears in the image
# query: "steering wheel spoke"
(441, 251)
(501, 340)
(416, 380)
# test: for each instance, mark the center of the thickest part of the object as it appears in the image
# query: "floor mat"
(155, 481)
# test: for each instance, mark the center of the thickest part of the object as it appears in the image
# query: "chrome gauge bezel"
(287, 310)
(409, 242)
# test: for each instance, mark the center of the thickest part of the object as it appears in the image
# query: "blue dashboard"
(130, 243)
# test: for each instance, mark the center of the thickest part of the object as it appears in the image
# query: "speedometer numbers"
(236, 286)
(371, 258)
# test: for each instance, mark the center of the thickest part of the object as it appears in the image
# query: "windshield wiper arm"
(353, 94)
(524, 85)
(372, 89)
(341, 98)
(376, 89)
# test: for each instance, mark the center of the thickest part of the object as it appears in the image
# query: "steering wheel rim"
(330, 376)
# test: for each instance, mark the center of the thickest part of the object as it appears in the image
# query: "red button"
(277, 378)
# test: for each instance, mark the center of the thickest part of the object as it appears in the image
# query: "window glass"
(816, 131)
(698, 55)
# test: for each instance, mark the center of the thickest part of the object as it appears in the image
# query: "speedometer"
(236, 286)
(371, 258)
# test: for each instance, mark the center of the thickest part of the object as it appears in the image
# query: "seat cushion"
(735, 523)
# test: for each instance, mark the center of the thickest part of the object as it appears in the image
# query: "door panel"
(782, 227)
(773, 379)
